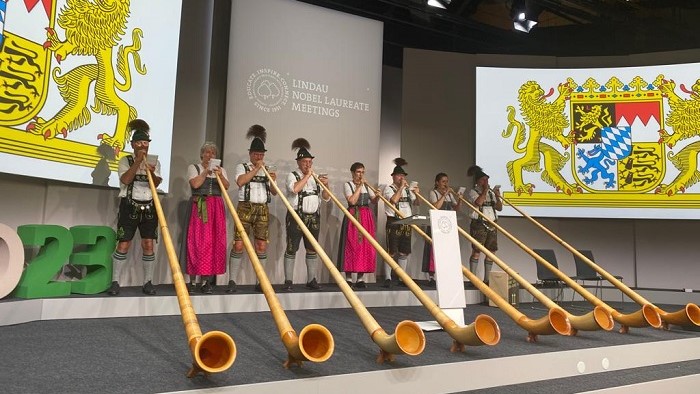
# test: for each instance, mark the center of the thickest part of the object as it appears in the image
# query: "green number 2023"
(93, 247)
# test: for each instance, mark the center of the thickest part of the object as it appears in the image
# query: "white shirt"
(141, 191)
(435, 196)
(404, 206)
(258, 192)
(350, 190)
(489, 210)
(193, 173)
(309, 204)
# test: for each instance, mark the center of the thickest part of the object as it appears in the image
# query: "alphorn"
(483, 331)
(214, 351)
(408, 338)
(594, 320)
(556, 321)
(642, 318)
(315, 343)
(690, 315)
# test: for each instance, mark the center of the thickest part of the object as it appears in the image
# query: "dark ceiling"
(565, 27)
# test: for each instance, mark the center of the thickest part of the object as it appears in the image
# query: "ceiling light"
(524, 19)
(438, 4)
(524, 26)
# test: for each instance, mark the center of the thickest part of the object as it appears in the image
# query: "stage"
(135, 343)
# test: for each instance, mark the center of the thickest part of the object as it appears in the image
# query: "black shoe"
(431, 283)
(387, 284)
(148, 288)
(469, 285)
(360, 284)
(258, 288)
(313, 285)
(402, 284)
(206, 288)
(191, 288)
(350, 284)
(231, 287)
(287, 285)
(114, 289)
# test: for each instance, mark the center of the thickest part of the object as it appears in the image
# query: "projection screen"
(74, 75)
(608, 143)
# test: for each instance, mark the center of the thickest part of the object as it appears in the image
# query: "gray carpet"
(150, 354)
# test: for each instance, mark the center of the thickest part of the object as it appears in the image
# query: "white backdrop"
(303, 71)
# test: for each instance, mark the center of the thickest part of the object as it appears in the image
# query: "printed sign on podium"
(448, 264)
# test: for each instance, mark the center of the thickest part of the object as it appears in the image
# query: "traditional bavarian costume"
(206, 234)
(448, 204)
(398, 236)
(306, 204)
(479, 228)
(356, 254)
(253, 198)
(136, 208)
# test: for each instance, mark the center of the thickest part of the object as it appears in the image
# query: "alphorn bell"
(484, 330)
(556, 321)
(408, 338)
(315, 343)
(594, 320)
(690, 315)
(214, 351)
(645, 316)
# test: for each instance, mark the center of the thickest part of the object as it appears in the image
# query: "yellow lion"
(684, 118)
(92, 28)
(545, 120)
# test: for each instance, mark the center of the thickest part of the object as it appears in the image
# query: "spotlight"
(439, 3)
(524, 26)
(523, 19)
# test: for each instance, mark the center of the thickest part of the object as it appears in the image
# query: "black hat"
(399, 169)
(477, 172)
(259, 135)
(302, 146)
(139, 129)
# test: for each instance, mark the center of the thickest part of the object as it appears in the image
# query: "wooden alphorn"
(315, 343)
(214, 351)
(408, 338)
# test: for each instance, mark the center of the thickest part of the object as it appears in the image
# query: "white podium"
(448, 268)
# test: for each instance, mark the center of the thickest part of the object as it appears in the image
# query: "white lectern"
(448, 265)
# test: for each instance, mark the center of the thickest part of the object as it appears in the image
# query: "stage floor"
(67, 350)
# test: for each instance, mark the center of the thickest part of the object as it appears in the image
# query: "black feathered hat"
(259, 135)
(139, 129)
(302, 146)
(477, 172)
(399, 167)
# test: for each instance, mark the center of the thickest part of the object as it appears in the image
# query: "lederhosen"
(398, 235)
(488, 203)
(312, 221)
(254, 214)
(481, 230)
(135, 214)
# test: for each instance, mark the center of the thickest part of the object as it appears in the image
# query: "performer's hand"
(141, 156)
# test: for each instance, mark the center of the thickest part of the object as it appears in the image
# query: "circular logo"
(267, 90)
(444, 225)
